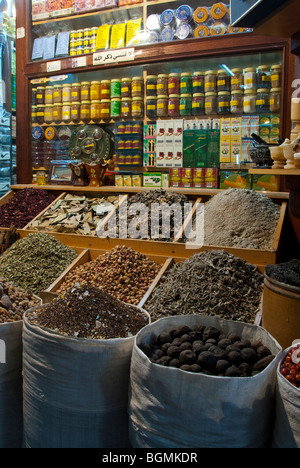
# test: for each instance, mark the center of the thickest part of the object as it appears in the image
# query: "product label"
(207, 105)
(223, 104)
(221, 82)
(209, 85)
(260, 102)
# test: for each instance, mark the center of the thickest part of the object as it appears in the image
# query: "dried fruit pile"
(122, 272)
(14, 302)
(75, 214)
(35, 261)
(89, 312)
(290, 367)
(209, 351)
(213, 283)
(24, 207)
(287, 273)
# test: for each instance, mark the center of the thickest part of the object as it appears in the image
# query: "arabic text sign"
(113, 56)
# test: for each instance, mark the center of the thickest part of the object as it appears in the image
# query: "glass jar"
(249, 101)
(137, 87)
(185, 105)
(162, 84)
(66, 93)
(126, 104)
(95, 91)
(85, 111)
(96, 110)
(75, 112)
(276, 76)
(210, 81)
(40, 95)
(263, 100)
(263, 77)
(151, 107)
(40, 111)
(237, 79)
(198, 104)
(223, 81)
(211, 103)
(137, 108)
(236, 102)
(105, 109)
(224, 102)
(174, 83)
(151, 83)
(275, 99)
(48, 113)
(80, 33)
(250, 78)
(198, 82)
(66, 112)
(186, 83)
(115, 88)
(173, 105)
(49, 95)
(75, 92)
(57, 94)
(126, 87)
(33, 96)
(33, 114)
(57, 112)
(162, 105)
(115, 107)
(85, 91)
(105, 89)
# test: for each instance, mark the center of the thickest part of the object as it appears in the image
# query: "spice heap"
(208, 350)
(288, 273)
(8, 238)
(290, 367)
(211, 283)
(24, 207)
(34, 262)
(75, 214)
(89, 312)
(151, 198)
(122, 272)
(240, 218)
(14, 302)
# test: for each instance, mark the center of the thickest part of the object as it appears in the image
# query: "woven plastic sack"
(286, 433)
(75, 390)
(11, 393)
(171, 408)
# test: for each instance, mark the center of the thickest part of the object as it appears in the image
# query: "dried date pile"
(213, 283)
(89, 312)
(122, 272)
(14, 302)
(209, 351)
(35, 261)
(24, 206)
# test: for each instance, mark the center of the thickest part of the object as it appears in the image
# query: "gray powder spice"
(34, 262)
(240, 218)
(213, 283)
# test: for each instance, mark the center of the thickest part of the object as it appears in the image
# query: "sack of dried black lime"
(77, 352)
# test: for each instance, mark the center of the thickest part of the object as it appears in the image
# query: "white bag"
(171, 408)
(286, 433)
(75, 390)
(11, 394)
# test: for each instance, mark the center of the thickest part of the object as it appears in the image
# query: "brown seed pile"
(213, 283)
(89, 312)
(122, 272)
(14, 302)
(208, 350)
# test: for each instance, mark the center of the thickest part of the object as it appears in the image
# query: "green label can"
(115, 107)
(115, 88)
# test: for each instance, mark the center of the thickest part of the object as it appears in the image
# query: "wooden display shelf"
(281, 172)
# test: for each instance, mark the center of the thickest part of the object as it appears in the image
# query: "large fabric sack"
(171, 408)
(11, 394)
(286, 433)
(75, 390)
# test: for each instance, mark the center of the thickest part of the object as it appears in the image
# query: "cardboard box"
(254, 124)
(236, 128)
(246, 145)
(213, 148)
(211, 177)
(127, 180)
(235, 179)
(119, 180)
(268, 182)
(225, 128)
(165, 180)
(153, 179)
(225, 150)
(246, 126)
(137, 180)
(175, 177)
(187, 177)
(201, 148)
(199, 177)
(235, 151)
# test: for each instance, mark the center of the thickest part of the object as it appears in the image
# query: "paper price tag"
(54, 66)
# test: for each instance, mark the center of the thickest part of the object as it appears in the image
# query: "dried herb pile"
(35, 261)
(122, 272)
(213, 283)
(89, 312)
(288, 273)
(14, 302)
(75, 214)
(240, 218)
(24, 207)
(207, 350)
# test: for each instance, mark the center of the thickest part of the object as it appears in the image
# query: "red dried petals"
(290, 367)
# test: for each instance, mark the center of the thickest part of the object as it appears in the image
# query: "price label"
(54, 66)
(113, 56)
